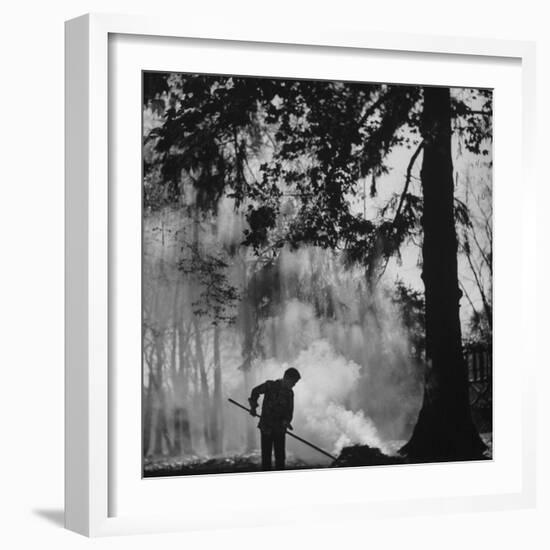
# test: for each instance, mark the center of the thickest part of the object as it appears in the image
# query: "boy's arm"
(253, 399)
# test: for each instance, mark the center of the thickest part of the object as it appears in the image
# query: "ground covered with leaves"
(355, 455)
(193, 465)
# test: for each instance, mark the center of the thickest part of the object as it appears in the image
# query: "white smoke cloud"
(344, 428)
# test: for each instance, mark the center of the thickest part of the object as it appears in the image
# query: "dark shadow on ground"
(57, 517)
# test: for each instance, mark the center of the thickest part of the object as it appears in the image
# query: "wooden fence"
(479, 362)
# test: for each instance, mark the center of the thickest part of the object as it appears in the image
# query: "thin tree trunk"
(273, 323)
(184, 385)
(157, 449)
(205, 394)
(183, 371)
(199, 354)
(148, 403)
(162, 428)
(147, 419)
(217, 418)
(444, 430)
(162, 424)
(178, 395)
(247, 351)
(251, 441)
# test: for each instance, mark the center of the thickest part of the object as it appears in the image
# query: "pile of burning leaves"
(363, 455)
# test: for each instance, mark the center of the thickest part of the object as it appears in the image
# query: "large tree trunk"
(444, 430)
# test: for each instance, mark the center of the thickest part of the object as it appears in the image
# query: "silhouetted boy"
(277, 410)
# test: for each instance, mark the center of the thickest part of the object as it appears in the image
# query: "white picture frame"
(91, 470)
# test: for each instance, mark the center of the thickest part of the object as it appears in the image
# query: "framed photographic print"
(289, 263)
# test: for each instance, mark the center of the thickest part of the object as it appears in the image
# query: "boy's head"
(290, 377)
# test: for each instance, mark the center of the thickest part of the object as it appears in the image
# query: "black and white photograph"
(275, 275)
(317, 271)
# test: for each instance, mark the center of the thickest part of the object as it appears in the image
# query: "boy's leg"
(267, 450)
(279, 443)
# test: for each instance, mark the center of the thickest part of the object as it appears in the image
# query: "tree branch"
(401, 202)
(407, 183)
